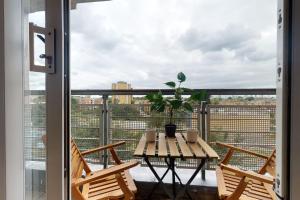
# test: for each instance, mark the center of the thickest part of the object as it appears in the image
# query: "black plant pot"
(170, 130)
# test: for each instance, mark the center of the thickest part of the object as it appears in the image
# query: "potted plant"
(176, 102)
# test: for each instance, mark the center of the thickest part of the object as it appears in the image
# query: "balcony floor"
(144, 188)
(199, 190)
(196, 192)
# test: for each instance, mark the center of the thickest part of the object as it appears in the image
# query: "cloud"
(231, 38)
(242, 42)
(218, 44)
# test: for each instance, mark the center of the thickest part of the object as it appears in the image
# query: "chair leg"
(128, 194)
(76, 194)
(239, 190)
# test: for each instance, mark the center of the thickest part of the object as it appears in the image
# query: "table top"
(176, 147)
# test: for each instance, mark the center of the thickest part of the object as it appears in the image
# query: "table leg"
(172, 163)
(169, 167)
(203, 173)
(191, 179)
(162, 178)
(156, 185)
(157, 177)
(178, 179)
(188, 194)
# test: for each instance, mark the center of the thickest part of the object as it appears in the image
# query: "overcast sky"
(216, 43)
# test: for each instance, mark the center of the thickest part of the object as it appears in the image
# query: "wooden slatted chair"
(112, 183)
(236, 184)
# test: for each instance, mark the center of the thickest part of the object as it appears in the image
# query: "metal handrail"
(247, 91)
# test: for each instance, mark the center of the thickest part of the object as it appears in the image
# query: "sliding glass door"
(45, 100)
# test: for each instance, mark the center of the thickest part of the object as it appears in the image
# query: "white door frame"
(288, 101)
(12, 184)
(11, 103)
(55, 105)
(12, 132)
(295, 102)
(2, 106)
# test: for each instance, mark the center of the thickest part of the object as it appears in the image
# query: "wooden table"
(171, 149)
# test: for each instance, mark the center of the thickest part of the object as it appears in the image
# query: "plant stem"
(171, 115)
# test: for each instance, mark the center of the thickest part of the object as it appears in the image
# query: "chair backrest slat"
(78, 163)
(270, 165)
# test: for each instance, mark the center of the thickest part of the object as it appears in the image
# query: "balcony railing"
(248, 126)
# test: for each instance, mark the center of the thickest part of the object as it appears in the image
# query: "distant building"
(140, 100)
(85, 100)
(244, 101)
(121, 99)
(98, 101)
(90, 100)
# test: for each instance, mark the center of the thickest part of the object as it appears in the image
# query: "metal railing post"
(203, 131)
(105, 129)
(199, 118)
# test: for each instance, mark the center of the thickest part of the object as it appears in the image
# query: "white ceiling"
(39, 5)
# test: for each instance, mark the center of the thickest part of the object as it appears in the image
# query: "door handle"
(49, 42)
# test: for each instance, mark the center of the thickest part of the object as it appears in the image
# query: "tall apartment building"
(121, 99)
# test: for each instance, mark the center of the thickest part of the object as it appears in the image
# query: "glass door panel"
(35, 134)
(44, 100)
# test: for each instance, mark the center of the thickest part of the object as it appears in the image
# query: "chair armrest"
(102, 148)
(116, 169)
(242, 150)
(248, 174)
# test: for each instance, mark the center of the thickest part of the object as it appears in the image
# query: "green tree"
(125, 112)
(249, 98)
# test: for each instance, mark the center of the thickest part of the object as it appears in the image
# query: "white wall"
(13, 47)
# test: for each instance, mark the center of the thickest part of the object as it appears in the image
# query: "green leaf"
(181, 77)
(205, 95)
(171, 84)
(199, 96)
(158, 96)
(178, 93)
(153, 107)
(150, 97)
(176, 104)
(188, 107)
(159, 107)
(196, 96)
